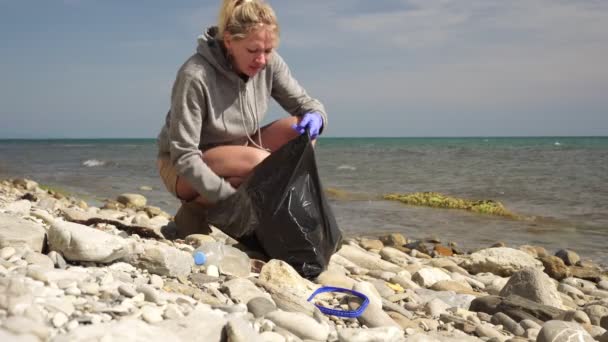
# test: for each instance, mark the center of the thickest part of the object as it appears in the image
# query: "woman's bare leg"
(233, 163)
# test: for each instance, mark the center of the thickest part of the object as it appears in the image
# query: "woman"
(212, 137)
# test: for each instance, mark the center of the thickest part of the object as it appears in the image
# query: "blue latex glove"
(313, 121)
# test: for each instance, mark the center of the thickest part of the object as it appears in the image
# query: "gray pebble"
(260, 306)
(127, 290)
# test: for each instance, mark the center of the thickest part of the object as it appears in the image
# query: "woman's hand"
(311, 121)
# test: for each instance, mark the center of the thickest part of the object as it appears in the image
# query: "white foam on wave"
(557, 143)
(93, 163)
(346, 167)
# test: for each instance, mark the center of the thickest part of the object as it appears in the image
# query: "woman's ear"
(227, 40)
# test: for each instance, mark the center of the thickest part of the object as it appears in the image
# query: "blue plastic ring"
(341, 313)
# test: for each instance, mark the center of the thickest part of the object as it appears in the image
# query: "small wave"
(346, 167)
(93, 163)
(557, 143)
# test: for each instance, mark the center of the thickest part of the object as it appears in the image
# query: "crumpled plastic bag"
(283, 206)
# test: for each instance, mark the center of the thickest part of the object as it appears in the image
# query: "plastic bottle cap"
(199, 258)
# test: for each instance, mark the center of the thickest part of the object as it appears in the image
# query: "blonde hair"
(239, 17)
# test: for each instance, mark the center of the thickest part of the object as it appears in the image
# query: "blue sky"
(104, 68)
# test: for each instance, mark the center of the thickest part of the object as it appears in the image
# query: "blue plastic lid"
(341, 313)
(199, 258)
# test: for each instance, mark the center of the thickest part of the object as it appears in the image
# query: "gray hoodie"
(211, 105)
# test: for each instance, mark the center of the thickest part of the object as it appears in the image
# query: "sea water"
(558, 185)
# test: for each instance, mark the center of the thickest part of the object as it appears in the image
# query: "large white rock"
(385, 334)
(299, 324)
(77, 242)
(124, 330)
(15, 231)
(535, 285)
(502, 261)
(283, 276)
(560, 331)
(427, 276)
(367, 260)
(163, 260)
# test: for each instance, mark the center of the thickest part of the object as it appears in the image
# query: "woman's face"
(250, 55)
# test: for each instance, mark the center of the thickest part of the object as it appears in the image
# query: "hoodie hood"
(212, 50)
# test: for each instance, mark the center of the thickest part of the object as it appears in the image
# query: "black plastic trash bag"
(283, 206)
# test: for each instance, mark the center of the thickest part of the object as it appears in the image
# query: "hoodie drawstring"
(255, 120)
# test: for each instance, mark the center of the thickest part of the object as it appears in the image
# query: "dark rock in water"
(498, 244)
(494, 304)
(569, 257)
(555, 267)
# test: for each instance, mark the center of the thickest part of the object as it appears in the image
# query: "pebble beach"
(71, 271)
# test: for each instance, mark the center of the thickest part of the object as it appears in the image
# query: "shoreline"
(71, 271)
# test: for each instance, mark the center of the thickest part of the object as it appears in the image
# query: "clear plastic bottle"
(228, 259)
(209, 253)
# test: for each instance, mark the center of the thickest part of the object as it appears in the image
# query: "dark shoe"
(191, 218)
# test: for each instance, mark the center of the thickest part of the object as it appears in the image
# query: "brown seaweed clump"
(438, 200)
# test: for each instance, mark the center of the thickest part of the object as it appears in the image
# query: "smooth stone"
(502, 261)
(156, 281)
(127, 290)
(428, 276)
(260, 306)
(371, 244)
(59, 320)
(560, 331)
(435, 307)
(7, 336)
(535, 285)
(529, 324)
(20, 207)
(281, 275)
(373, 316)
(367, 260)
(173, 312)
(15, 231)
(58, 260)
(22, 325)
(596, 312)
(152, 314)
(163, 260)
(78, 242)
(89, 288)
(124, 330)
(455, 286)
(242, 290)
(7, 252)
(132, 200)
(336, 279)
(508, 323)
(150, 294)
(202, 324)
(196, 240)
(239, 330)
(299, 324)
(386, 334)
(449, 297)
(483, 330)
(271, 336)
(577, 316)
